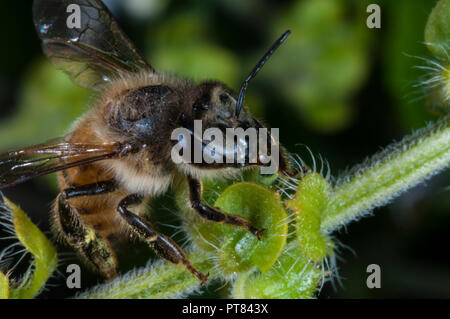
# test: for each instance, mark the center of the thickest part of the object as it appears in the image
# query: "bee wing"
(82, 38)
(21, 165)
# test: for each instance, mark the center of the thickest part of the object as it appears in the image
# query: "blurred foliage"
(183, 48)
(437, 30)
(325, 62)
(48, 104)
(437, 37)
(402, 51)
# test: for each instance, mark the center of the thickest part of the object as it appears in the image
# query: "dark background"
(342, 89)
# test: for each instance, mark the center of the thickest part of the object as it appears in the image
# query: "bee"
(117, 155)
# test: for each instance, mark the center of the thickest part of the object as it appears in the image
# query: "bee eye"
(200, 107)
(224, 98)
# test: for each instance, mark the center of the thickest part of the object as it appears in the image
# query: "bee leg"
(163, 246)
(285, 168)
(215, 214)
(89, 189)
(84, 239)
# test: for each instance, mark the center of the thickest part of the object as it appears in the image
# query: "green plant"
(34, 242)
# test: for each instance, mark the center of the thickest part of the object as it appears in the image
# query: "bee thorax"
(142, 178)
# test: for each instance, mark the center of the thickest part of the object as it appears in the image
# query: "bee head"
(216, 107)
(216, 103)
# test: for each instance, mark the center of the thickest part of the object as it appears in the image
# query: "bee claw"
(257, 232)
(204, 279)
(200, 276)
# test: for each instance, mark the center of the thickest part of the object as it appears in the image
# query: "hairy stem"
(387, 174)
(159, 281)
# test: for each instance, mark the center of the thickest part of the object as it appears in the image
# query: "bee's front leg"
(164, 246)
(215, 214)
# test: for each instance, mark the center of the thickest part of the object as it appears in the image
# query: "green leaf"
(264, 210)
(437, 37)
(237, 249)
(4, 286)
(437, 30)
(309, 202)
(44, 254)
(291, 277)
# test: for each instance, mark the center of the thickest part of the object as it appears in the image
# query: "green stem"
(384, 176)
(158, 281)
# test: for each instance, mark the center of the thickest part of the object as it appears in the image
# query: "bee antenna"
(258, 66)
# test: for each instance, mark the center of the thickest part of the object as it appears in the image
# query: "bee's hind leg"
(95, 250)
(163, 246)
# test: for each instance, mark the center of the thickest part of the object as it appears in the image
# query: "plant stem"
(158, 281)
(386, 175)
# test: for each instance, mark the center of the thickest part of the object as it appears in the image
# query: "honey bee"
(117, 155)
